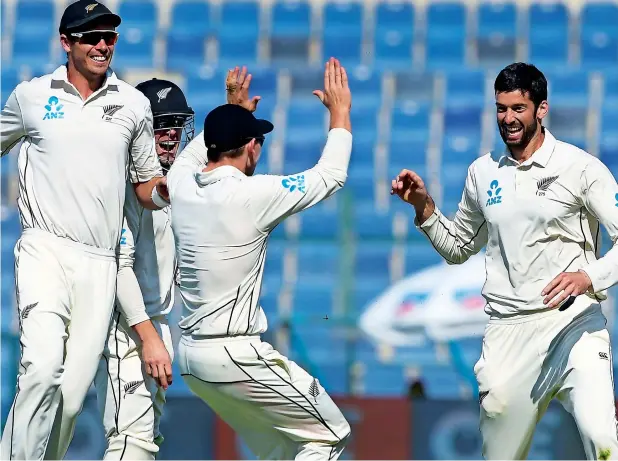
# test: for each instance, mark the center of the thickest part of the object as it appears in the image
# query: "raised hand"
(410, 187)
(237, 86)
(336, 95)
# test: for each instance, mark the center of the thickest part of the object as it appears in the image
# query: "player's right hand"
(410, 187)
(157, 361)
(336, 95)
(237, 87)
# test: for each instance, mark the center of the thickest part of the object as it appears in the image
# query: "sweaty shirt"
(221, 223)
(536, 219)
(76, 155)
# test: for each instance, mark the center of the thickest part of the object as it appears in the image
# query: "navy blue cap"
(230, 126)
(78, 15)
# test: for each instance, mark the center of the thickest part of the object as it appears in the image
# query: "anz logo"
(616, 198)
(123, 239)
(293, 183)
(494, 193)
(54, 109)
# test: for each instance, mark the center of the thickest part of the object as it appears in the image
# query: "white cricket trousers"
(526, 363)
(130, 400)
(279, 410)
(65, 297)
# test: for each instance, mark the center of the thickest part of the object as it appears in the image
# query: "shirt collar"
(110, 83)
(204, 178)
(540, 157)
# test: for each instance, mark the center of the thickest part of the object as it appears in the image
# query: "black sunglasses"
(93, 37)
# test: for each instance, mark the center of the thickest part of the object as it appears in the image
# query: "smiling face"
(90, 51)
(518, 118)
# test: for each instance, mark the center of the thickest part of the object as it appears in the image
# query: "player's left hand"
(237, 86)
(565, 285)
(161, 186)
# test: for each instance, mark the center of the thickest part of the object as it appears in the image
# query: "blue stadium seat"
(9, 80)
(420, 256)
(363, 154)
(569, 124)
(27, 54)
(304, 82)
(465, 88)
(241, 20)
(460, 149)
(442, 382)
(300, 154)
(393, 36)
(321, 221)
(548, 34)
(343, 19)
(318, 261)
(138, 14)
(286, 52)
(366, 292)
(35, 16)
(322, 343)
(601, 16)
(234, 49)
(183, 51)
(372, 260)
(453, 179)
(446, 35)
(497, 19)
(410, 122)
(392, 49)
(306, 122)
(191, 18)
(274, 265)
(414, 85)
(361, 184)
(365, 126)
(342, 32)
(370, 223)
(313, 302)
(135, 49)
(462, 121)
(405, 152)
(496, 51)
(366, 86)
(205, 89)
(609, 136)
(384, 380)
(446, 20)
(291, 19)
(599, 50)
(346, 48)
(570, 89)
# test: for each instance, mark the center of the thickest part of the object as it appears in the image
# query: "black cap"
(78, 15)
(230, 126)
(165, 97)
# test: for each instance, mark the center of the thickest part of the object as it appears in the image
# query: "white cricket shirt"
(147, 253)
(536, 219)
(221, 223)
(75, 156)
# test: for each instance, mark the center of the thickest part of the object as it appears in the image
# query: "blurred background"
(352, 291)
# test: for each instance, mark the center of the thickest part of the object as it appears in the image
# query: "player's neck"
(239, 163)
(535, 143)
(82, 84)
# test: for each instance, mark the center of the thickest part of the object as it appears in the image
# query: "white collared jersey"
(147, 247)
(221, 222)
(76, 155)
(536, 219)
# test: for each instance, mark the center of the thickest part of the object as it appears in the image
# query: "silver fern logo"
(314, 390)
(162, 94)
(26, 310)
(543, 184)
(109, 111)
(131, 387)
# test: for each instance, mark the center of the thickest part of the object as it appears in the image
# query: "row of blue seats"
(294, 18)
(137, 49)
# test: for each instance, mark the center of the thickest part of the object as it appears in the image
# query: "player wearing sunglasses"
(85, 133)
(136, 368)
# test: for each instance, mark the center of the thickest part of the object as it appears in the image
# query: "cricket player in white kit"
(222, 217)
(537, 208)
(84, 133)
(136, 367)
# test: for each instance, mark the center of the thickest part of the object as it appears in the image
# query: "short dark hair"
(217, 156)
(522, 77)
